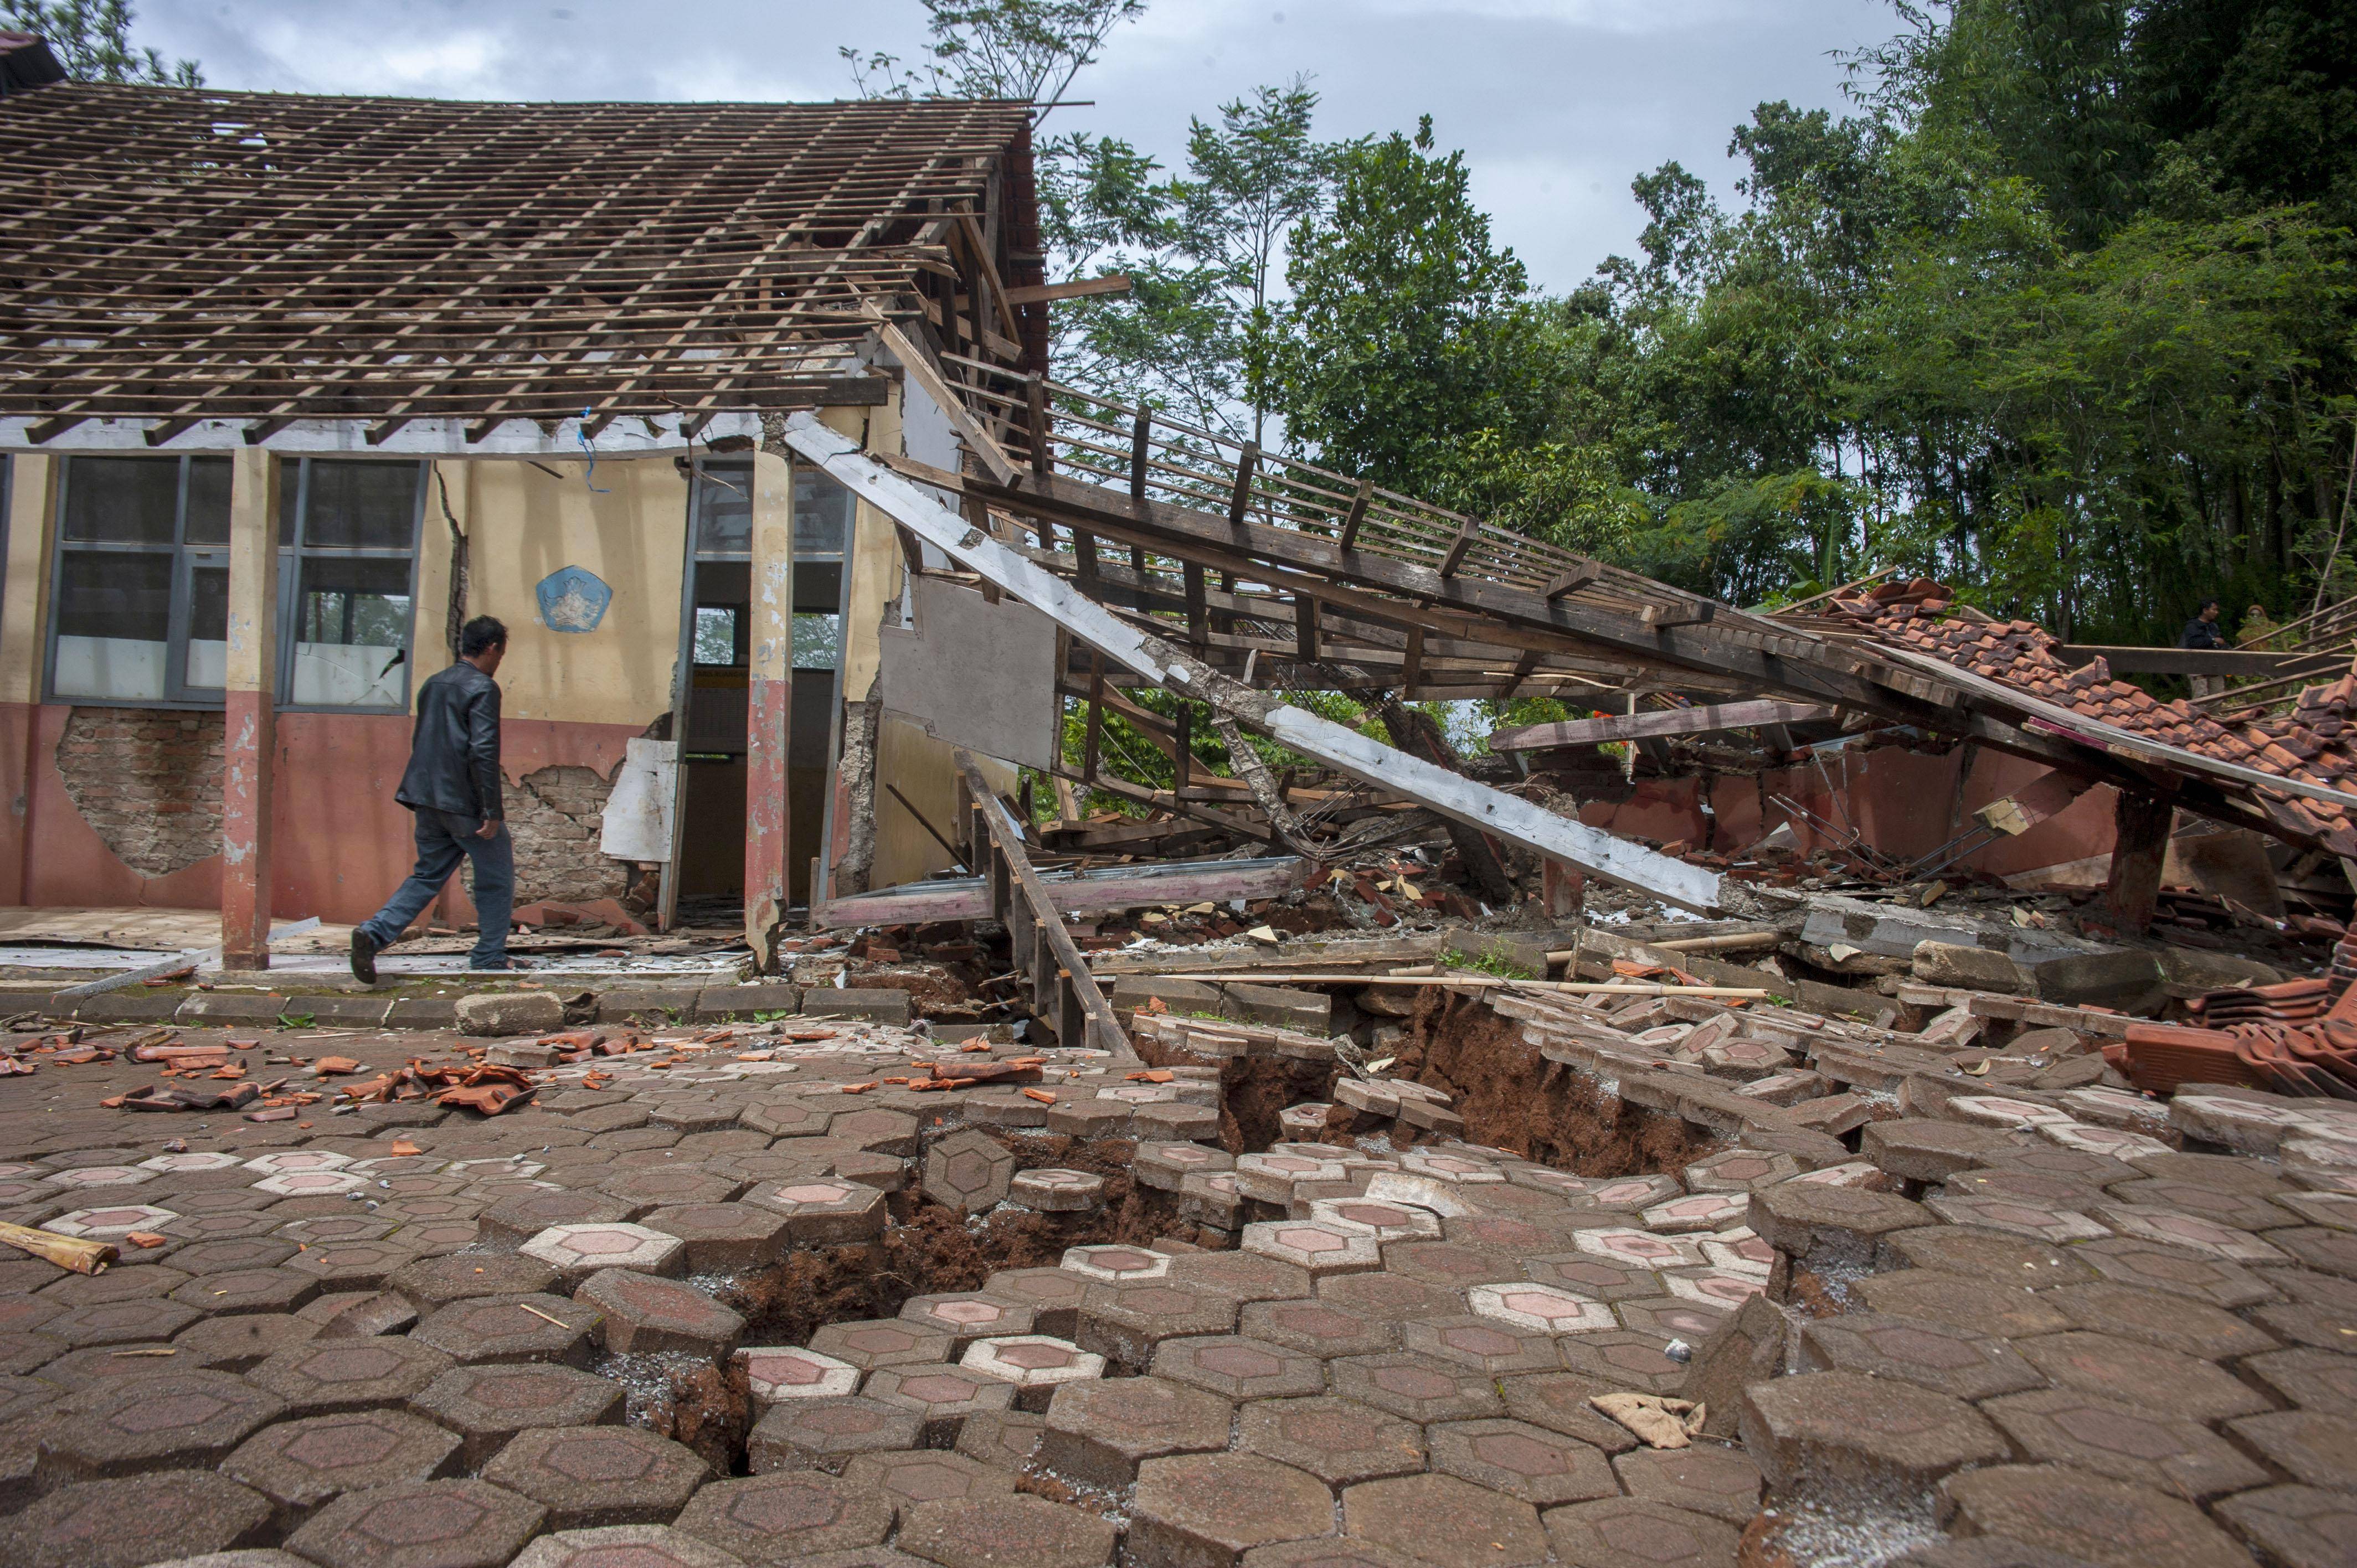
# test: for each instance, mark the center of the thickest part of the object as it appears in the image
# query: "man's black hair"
(2204, 604)
(480, 635)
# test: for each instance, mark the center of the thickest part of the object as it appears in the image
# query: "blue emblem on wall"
(573, 598)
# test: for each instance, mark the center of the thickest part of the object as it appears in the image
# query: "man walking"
(452, 784)
(2203, 633)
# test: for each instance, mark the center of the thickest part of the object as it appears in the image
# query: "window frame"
(177, 694)
(291, 557)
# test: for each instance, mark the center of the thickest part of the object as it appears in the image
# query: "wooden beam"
(1035, 395)
(1358, 515)
(1072, 892)
(1198, 625)
(2140, 826)
(1667, 722)
(1463, 543)
(1305, 629)
(1522, 668)
(1241, 496)
(1080, 288)
(1661, 617)
(1412, 666)
(1093, 747)
(1574, 580)
(1141, 435)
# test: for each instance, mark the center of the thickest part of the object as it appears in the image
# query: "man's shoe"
(505, 963)
(364, 950)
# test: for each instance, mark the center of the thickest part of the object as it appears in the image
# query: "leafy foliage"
(92, 38)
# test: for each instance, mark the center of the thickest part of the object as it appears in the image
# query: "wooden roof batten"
(182, 261)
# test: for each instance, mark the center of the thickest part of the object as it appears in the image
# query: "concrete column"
(250, 728)
(24, 654)
(769, 707)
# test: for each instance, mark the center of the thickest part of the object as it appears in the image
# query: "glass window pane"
(122, 501)
(352, 637)
(822, 514)
(208, 521)
(816, 640)
(723, 510)
(715, 634)
(207, 668)
(115, 613)
(361, 506)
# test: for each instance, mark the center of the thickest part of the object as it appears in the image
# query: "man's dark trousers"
(444, 838)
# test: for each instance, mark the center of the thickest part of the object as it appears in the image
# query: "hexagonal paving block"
(136, 1520)
(420, 1524)
(1239, 1368)
(1991, 1256)
(784, 1117)
(2188, 1232)
(824, 1211)
(2145, 1375)
(623, 1546)
(787, 1514)
(1846, 1429)
(1318, 1328)
(1627, 1359)
(1952, 1361)
(2315, 1448)
(1416, 1388)
(107, 1179)
(311, 1184)
(1486, 1343)
(645, 1187)
(1320, 1249)
(1523, 1461)
(2068, 1426)
(1541, 1309)
(877, 1130)
(281, 1160)
(1213, 1508)
(427, 1283)
(968, 1172)
(1640, 1249)
(1117, 1265)
(825, 1433)
(1383, 1221)
(325, 1227)
(1052, 1294)
(300, 1465)
(1598, 1278)
(1123, 1323)
(1099, 1431)
(2171, 1322)
(1036, 1364)
(993, 1531)
(967, 1316)
(487, 1405)
(576, 1251)
(233, 1344)
(327, 1376)
(2299, 1527)
(1723, 1483)
(1630, 1532)
(908, 1480)
(776, 1372)
(588, 1476)
(2051, 1509)
(133, 1322)
(164, 1420)
(2000, 1310)
(519, 1217)
(1738, 1170)
(1560, 1401)
(248, 1290)
(940, 1396)
(723, 1238)
(871, 1343)
(645, 1315)
(2046, 1222)
(109, 1222)
(1719, 1289)
(1698, 1212)
(537, 1327)
(1057, 1191)
(1337, 1440)
(2310, 1379)
(1443, 1520)
(233, 1255)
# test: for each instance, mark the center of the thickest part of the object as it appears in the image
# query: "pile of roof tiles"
(2279, 1037)
(2314, 743)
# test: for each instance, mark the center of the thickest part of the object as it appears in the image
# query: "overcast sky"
(1557, 102)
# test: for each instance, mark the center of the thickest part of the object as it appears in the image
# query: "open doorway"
(717, 640)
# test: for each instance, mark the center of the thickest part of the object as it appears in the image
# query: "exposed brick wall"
(148, 782)
(557, 818)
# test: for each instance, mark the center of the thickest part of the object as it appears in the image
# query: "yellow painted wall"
(522, 524)
(23, 612)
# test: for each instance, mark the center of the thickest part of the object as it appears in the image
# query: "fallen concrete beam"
(1073, 892)
(1667, 722)
(1452, 795)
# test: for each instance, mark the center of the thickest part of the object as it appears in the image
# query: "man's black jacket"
(454, 754)
(2200, 633)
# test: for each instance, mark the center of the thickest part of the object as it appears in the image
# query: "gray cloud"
(1557, 102)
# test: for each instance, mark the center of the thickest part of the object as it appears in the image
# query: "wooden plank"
(1140, 438)
(1305, 629)
(2197, 661)
(1574, 580)
(1668, 722)
(1080, 288)
(1074, 892)
(1357, 519)
(1663, 617)
(1240, 498)
(1457, 549)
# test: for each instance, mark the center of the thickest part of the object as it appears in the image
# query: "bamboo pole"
(66, 1252)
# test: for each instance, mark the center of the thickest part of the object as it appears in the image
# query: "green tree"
(92, 38)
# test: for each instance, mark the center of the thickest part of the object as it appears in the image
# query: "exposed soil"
(1512, 1098)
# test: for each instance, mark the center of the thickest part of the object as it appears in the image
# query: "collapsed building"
(1886, 1100)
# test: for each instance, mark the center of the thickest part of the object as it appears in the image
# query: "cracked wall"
(148, 782)
(556, 816)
